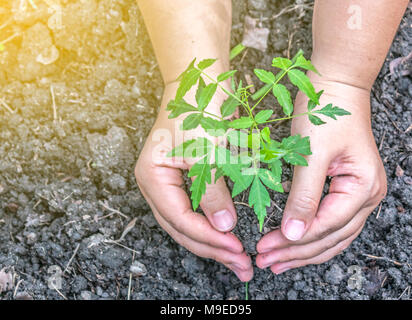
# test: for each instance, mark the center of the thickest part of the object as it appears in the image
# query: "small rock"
(86, 295)
(396, 275)
(292, 295)
(149, 220)
(117, 183)
(253, 36)
(192, 264)
(334, 275)
(138, 269)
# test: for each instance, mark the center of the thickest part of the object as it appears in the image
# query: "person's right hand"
(160, 181)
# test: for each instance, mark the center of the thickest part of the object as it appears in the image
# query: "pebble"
(334, 275)
(259, 5)
(138, 269)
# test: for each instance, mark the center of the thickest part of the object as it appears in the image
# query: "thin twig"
(130, 281)
(404, 291)
(379, 211)
(112, 210)
(5, 105)
(383, 138)
(59, 292)
(241, 203)
(119, 244)
(382, 258)
(71, 259)
(54, 103)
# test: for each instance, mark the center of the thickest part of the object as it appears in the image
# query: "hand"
(160, 181)
(314, 230)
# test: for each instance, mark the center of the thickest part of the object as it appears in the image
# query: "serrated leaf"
(241, 184)
(202, 172)
(193, 148)
(238, 138)
(312, 104)
(332, 112)
(206, 95)
(178, 108)
(258, 94)
(265, 134)
(295, 159)
(301, 80)
(229, 106)
(236, 50)
(263, 115)
(188, 80)
(200, 87)
(213, 127)
(270, 180)
(226, 75)
(316, 120)
(276, 167)
(259, 199)
(180, 150)
(192, 121)
(265, 76)
(282, 94)
(218, 174)
(241, 123)
(301, 62)
(206, 63)
(297, 144)
(281, 63)
(190, 67)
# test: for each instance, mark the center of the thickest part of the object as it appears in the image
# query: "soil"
(84, 98)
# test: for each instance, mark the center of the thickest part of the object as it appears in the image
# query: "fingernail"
(223, 220)
(294, 229)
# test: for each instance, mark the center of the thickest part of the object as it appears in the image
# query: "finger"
(218, 206)
(312, 249)
(337, 209)
(167, 198)
(239, 263)
(303, 200)
(323, 257)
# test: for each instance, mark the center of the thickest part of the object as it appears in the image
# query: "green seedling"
(257, 163)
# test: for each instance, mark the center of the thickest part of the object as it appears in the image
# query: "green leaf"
(192, 121)
(241, 184)
(219, 173)
(301, 62)
(282, 94)
(276, 167)
(281, 63)
(295, 159)
(213, 127)
(206, 95)
(332, 111)
(312, 104)
(189, 79)
(258, 94)
(238, 138)
(226, 75)
(316, 120)
(200, 87)
(265, 134)
(193, 148)
(190, 67)
(296, 144)
(263, 115)
(270, 180)
(181, 150)
(301, 80)
(241, 123)
(229, 106)
(236, 50)
(265, 76)
(202, 171)
(259, 199)
(179, 107)
(206, 63)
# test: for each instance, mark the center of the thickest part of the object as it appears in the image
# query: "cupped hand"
(314, 230)
(161, 182)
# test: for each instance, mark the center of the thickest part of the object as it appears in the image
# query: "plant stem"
(287, 118)
(247, 290)
(212, 114)
(275, 83)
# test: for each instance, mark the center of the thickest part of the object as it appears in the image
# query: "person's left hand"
(314, 230)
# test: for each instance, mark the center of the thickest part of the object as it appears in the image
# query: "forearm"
(181, 30)
(353, 51)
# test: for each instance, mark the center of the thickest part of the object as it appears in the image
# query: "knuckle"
(324, 231)
(304, 204)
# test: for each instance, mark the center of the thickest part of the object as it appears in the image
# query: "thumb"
(303, 200)
(218, 206)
